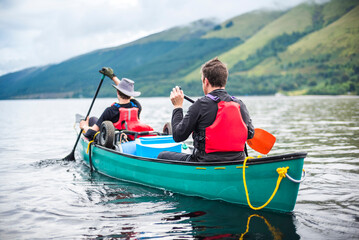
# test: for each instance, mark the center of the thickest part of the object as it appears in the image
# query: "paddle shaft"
(71, 156)
(188, 99)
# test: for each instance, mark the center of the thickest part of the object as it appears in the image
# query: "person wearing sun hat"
(126, 87)
(126, 107)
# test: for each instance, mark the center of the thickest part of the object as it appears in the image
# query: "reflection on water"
(153, 213)
(42, 197)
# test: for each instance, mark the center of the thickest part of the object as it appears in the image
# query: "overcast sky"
(39, 32)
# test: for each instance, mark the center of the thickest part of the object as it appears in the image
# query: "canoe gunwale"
(254, 161)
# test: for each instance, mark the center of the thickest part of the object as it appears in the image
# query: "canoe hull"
(212, 181)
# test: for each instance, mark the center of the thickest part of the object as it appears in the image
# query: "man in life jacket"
(219, 124)
(124, 114)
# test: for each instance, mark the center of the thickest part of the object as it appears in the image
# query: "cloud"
(39, 32)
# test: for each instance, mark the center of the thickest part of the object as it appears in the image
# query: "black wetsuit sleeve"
(110, 114)
(247, 119)
(182, 127)
(90, 134)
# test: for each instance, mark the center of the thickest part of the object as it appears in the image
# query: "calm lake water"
(43, 197)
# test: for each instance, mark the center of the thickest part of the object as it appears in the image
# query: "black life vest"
(228, 133)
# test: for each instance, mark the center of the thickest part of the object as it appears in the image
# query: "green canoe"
(136, 162)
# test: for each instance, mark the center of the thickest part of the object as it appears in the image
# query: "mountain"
(322, 59)
(149, 60)
(309, 49)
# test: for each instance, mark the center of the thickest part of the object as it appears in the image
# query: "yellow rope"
(281, 171)
(88, 145)
(275, 232)
(94, 136)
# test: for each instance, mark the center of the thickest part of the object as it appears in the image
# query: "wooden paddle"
(262, 140)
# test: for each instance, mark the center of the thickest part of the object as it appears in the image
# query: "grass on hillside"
(243, 26)
(295, 20)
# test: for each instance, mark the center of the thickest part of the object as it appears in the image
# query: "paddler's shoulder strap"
(116, 105)
(134, 105)
(217, 99)
(214, 98)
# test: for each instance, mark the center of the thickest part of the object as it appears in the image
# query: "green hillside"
(297, 19)
(322, 62)
(243, 26)
(333, 10)
(309, 49)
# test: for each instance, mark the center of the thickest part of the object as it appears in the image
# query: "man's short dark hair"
(123, 96)
(216, 72)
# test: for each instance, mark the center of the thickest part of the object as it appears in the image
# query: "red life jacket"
(129, 120)
(228, 133)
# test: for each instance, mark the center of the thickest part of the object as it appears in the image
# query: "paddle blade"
(79, 117)
(70, 157)
(262, 141)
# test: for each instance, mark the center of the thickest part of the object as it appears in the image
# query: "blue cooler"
(151, 146)
(129, 147)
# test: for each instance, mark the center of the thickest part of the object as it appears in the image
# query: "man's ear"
(205, 82)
